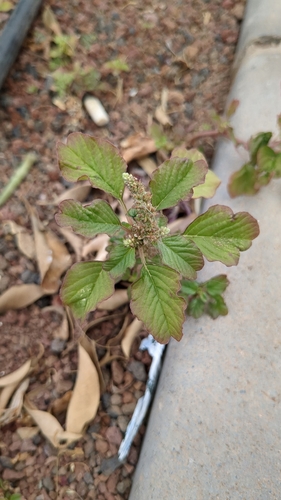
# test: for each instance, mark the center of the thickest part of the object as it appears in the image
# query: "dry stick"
(203, 134)
(18, 176)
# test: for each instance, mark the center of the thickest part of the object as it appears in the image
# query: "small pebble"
(89, 448)
(138, 370)
(113, 434)
(6, 462)
(123, 485)
(122, 422)
(114, 411)
(128, 408)
(57, 346)
(109, 465)
(48, 483)
(88, 478)
(116, 399)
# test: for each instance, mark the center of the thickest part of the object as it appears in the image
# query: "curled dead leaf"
(148, 165)
(50, 427)
(74, 240)
(162, 117)
(137, 146)
(16, 376)
(98, 245)
(60, 405)
(9, 414)
(14, 385)
(61, 261)
(86, 394)
(51, 254)
(129, 336)
(20, 296)
(24, 240)
(118, 299)
(79, 192)
(27, 432)
(50, 21)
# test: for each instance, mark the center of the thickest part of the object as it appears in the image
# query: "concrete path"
(215, 427)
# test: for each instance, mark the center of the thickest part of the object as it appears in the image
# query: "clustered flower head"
(145, 229)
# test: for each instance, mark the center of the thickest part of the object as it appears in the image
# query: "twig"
(205, 133)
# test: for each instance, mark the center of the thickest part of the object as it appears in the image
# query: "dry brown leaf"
(78, 193)
(137, 146)
(74, 240)
(43, 252)
(98, 245)
(60, 405)
(50, 21)
(16, 376)
(24, 240)
(61, 261)
(15, 406)
(20, 296)
(90, 347)
(52, 255)
(118, 299)
(27, 432)
(148, 165)
(50, 427)
(162, 117)
(86, 394)
(129, 336)
(161, 111)
(14, 384)
(6, 394)
(181, 223)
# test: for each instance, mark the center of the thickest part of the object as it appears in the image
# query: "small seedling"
(264, 164)
(157, 260)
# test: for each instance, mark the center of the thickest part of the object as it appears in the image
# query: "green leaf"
(88, 220)
(120, 258)
(216, 285)
(211, 182)
(265, 159)
(192, 154)
(196, 307)
(256, 142)
(6, 6)
(189, 287)
(181, 255)
(173, 181)
(96, 159)
(221, 235)
(85, 285)
(156, 303)
(15, 496)
(244, 181)
(231, 109)
(217, 307)
(208, 188)
(277, 166)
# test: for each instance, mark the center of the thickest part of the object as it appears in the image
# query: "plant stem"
(142, 256)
